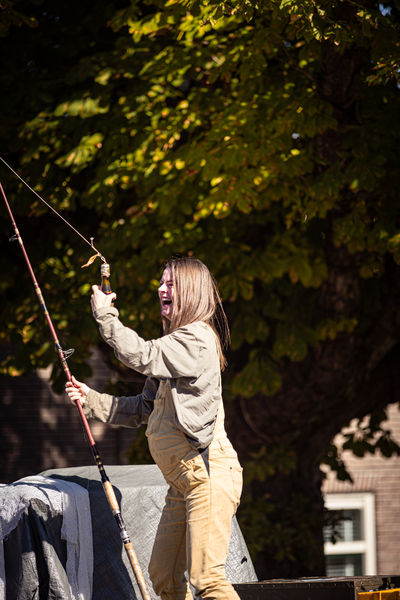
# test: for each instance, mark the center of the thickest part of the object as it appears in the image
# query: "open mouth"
(166, 302)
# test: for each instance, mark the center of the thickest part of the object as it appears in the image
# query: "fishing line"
(54, 210)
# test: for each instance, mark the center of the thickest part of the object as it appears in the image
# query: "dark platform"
(316, 588)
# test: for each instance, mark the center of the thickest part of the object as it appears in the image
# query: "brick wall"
(40, 430)
(380, 475)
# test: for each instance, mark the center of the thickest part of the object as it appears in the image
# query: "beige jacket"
(187, 357)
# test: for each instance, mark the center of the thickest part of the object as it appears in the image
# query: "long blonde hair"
(197, 299)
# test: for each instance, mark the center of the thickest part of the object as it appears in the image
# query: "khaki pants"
(195, 525)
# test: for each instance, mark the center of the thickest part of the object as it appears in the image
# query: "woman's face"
(166, 294)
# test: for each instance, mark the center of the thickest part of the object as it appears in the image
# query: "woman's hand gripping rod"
(63, 355)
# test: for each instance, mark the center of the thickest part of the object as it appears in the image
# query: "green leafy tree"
(261, 138)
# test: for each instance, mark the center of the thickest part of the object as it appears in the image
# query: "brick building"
(370, 517)
(40, 430)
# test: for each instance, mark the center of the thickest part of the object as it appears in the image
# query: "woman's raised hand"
(77, 390)
(99, 299)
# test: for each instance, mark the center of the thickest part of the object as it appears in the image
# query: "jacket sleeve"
(128, 411)
(178, 354)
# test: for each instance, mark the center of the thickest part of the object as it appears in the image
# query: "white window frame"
(365, 502)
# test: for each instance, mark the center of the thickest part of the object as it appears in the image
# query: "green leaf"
(259, 375)
(292, 340)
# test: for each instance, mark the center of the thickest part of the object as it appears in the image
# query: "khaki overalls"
(204, 493)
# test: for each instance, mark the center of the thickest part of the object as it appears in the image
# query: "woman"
(182, 405)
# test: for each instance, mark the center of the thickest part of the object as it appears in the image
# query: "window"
(354, 552)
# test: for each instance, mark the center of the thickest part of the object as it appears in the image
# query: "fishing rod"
(64, 355)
